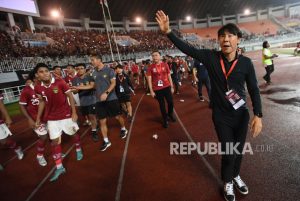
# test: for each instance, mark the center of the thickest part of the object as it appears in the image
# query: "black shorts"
(86, 110)
(108, 109)
(124, 99)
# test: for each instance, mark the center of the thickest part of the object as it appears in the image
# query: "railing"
(12, 94)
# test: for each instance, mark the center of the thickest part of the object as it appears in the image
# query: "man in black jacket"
(123, 89)
(228, 73)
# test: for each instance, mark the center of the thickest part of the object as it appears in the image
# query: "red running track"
(141, 168)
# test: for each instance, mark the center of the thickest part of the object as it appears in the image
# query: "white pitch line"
(121, 175)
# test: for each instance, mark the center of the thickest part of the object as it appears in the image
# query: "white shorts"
(76, 98)
(55, 128)
(4, 131)
(41, 130)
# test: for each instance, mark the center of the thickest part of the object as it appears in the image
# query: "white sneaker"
(240, 185)
(229, 192)
(19, 153)
(41, 160)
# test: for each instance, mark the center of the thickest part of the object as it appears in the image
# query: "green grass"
(289, 51)
(13, 109)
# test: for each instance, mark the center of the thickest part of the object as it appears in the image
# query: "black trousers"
(175, 82)
(206, 83)
(269, 71)
(231, 127)
(161, 96)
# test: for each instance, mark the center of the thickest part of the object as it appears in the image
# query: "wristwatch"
(107, 92)
(260, 115)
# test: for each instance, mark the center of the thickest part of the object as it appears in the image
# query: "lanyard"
(230, 70)
(159, 70)
(121, 78)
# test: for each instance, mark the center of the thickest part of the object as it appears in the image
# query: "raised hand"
(163, 21)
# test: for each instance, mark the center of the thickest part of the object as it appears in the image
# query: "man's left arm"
(253, 89)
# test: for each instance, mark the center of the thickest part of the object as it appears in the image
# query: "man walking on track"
(201, 77)
(161, 86)
(107, 105)
(267, 57)
(87, 98)
(29, 104)
(228, 73)
(54, 108)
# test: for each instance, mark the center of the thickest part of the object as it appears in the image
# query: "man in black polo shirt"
(228, 73)
(201, 77)
(107, 105)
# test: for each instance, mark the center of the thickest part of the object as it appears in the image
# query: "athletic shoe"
(201, 98)
(165, 124)
(228, 192)
(95, 136)
(79, 155)
(19, 153)
(123, 133)
(240, 185)
(105, 145)
(41, 160)
(57, 173)
(171, 118)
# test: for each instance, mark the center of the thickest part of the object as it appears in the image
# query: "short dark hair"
(97, 56)
(265, 44)
(31, 76)
(119, 66)
(231, 28)
(81, 64)
(55, 67)
(38, 66)
(154, 51)
(71, 65)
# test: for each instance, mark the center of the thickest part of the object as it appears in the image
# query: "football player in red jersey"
(29, 103)
(60, 116)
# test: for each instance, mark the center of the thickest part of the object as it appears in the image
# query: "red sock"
(56, 153)
(11, 144)
(40, 147)
(76, 141)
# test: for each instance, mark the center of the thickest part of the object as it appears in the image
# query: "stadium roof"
(146, 8)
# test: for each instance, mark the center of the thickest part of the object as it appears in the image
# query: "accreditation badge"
(160, 83)
(234, 99)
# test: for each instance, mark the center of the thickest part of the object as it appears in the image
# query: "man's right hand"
(152, 94)
(163, 21)
(8, 122)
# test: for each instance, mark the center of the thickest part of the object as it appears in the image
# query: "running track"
(141, 168)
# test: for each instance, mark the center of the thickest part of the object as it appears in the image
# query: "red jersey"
(57, 105)
(135, 68)
(1, 99)
(30, 99)
(159, 74)
(69, 79)
(126, 68)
